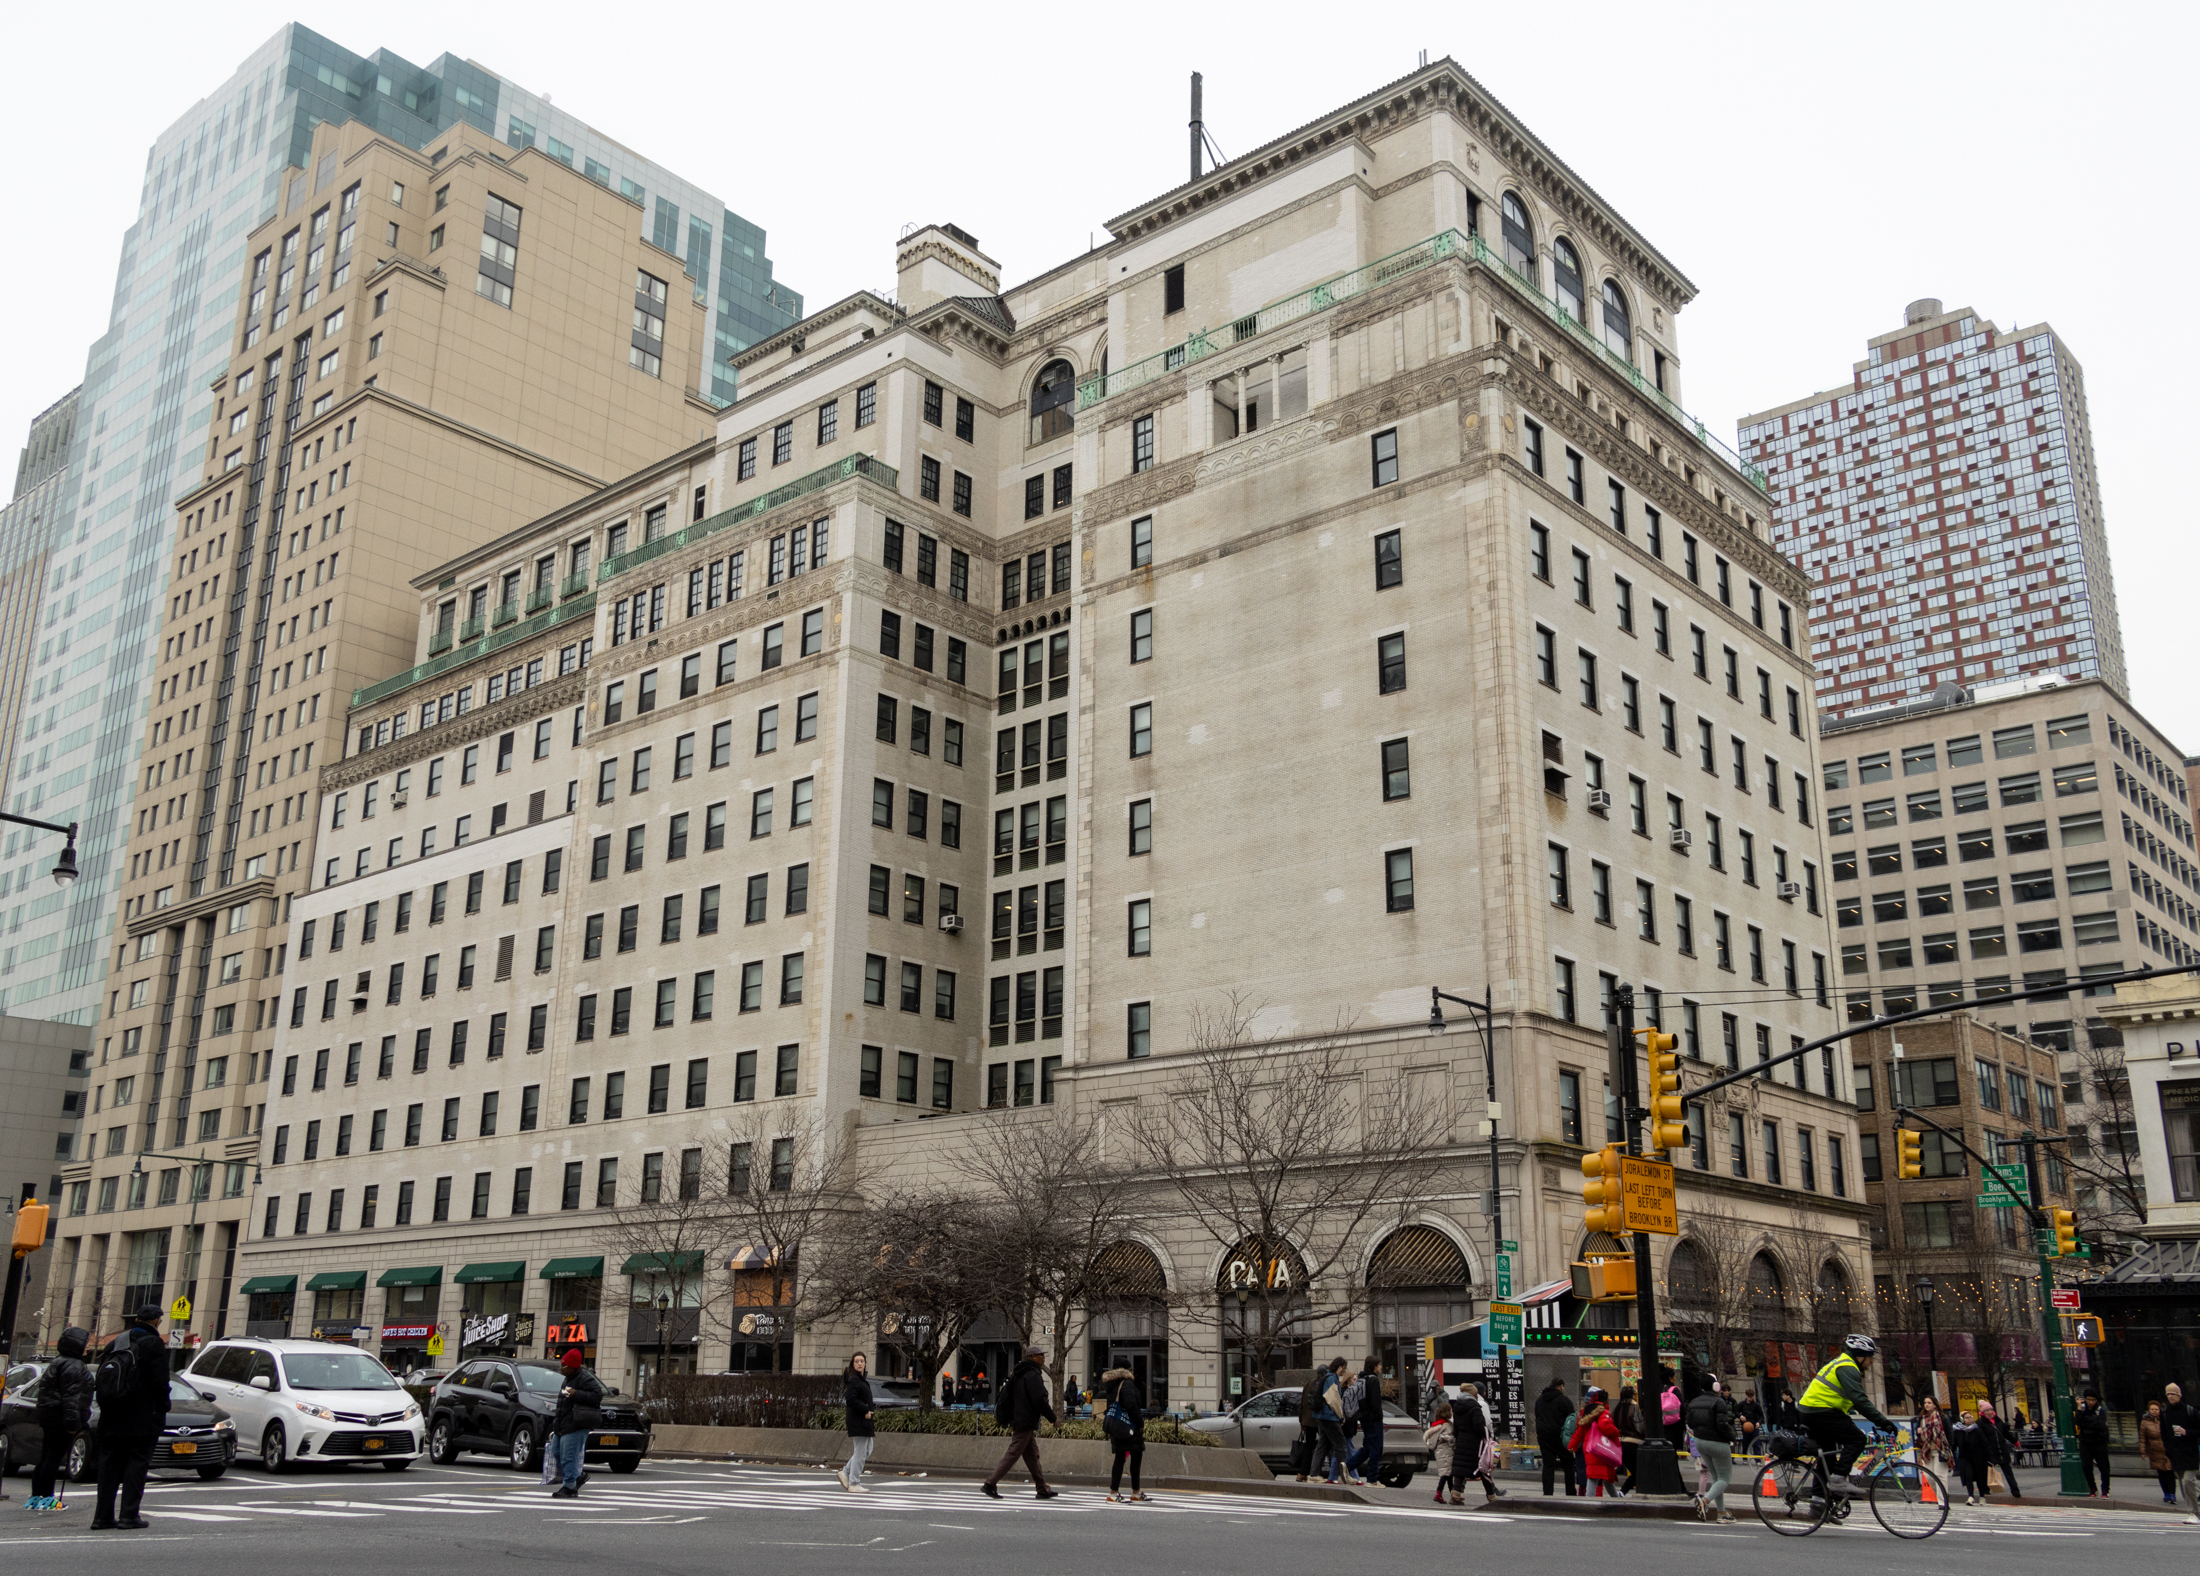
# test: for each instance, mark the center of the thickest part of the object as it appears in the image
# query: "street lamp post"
(664, 1312)
(1245, 1346)
(1932, 1355)
(1482, 1023)
(64, 868)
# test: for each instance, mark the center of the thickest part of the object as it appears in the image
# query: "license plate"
(375, 1444)
(184, 1447)
(608, 1439)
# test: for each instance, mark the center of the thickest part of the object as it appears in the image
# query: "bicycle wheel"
(1909, 1500)
(1788, 1498)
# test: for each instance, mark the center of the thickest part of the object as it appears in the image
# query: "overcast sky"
(1811, 170)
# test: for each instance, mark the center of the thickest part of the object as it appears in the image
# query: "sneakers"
(857, 1488)
(1046, 1493)
(989, 1491)
(1703, 1508)
(1970, 1499)
(1138, 1497)
(1116, 1499)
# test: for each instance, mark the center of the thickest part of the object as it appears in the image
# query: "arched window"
(1519, 239)
(1619, 334)
(1692, 1287)
(1052, 409)
(1836, 1301)
(1267, 1316)
(1566, 269)
(1127, 1317)
(1767, 1294)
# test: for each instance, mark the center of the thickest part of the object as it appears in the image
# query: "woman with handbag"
(580, 1408)
(1474, 1454)
(858, 1406)
(1600, 1448)
(1632, 1431)
(1125, 1423)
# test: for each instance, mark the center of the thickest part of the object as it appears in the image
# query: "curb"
(1335, 1493)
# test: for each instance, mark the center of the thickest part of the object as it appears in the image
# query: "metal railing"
(506, 612)
(538, 599)
(439, 642)
(1412, 259)
(508, 634)
(573, 585)
(472, 627)
(832, 475)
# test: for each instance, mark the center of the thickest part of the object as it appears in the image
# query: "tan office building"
(1315, 592)
(431, 346)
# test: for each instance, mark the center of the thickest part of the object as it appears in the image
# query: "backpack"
(1004, 1408)
(1573, 1425)
(116, 1378)
(1310, 1399)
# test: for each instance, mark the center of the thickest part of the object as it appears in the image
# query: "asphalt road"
(681, 1516)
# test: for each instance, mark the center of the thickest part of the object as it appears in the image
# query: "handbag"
(1486, 1463)
(1116, 1423)
(1604, 1447)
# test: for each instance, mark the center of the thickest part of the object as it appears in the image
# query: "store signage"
(758, 1323)
(407, 1332)
(571, 1333)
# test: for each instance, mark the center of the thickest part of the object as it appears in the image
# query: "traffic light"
(1601, 1190)
(2066, 1233)
(1668, 1120)
(1909, 1153)
(30, 1228)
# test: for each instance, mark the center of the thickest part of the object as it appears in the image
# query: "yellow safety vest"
(1823, 1393)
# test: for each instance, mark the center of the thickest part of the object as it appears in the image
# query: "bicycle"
(1793, 1496)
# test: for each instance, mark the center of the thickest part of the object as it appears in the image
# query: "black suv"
(504, 1407)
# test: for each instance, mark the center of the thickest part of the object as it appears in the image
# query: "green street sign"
(1504, 1324)
(1507, 1245)
(1504, 1276)
(1998, 1201)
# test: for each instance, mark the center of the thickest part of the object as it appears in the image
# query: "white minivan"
(310, 1401)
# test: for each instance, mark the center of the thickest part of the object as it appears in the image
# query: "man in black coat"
(1023, 1402)
(130, 1424)
(1551, 1411)
(2181, 1442)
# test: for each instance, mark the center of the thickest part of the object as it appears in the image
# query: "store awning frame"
(584, 1268)
(491, 1272)
(683, 1263)
(338, 1280)
(260, 1284)
(418, 1275)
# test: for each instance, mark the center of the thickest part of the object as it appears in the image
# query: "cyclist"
(1826, 1404)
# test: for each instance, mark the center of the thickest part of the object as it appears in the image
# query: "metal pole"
(2073, 1470)
(1657, 1468)
(1497, 1202)
(1199, 126)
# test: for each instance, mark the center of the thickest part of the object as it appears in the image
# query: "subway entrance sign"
(1646, 1196)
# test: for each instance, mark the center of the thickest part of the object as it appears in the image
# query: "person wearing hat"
(130, 1420)
(580, 1408)
(1023, 1402)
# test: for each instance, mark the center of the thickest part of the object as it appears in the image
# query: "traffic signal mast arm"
(2010, 1183)
(1764, 1068)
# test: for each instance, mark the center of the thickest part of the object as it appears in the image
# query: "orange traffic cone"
(1930, 1494)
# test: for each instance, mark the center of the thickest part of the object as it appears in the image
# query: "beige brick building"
(1315, 592)
(430, 347)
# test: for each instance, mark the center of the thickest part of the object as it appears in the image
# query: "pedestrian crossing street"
(677, 1501)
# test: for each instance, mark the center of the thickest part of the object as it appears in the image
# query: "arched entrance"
(1266, 1315)
(1127, 1320)
(1417, 1284)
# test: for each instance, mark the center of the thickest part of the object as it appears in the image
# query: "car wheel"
(442, 1443)
(624, 1463)
(397, 1466)
(208, 1474)
(1396, 1476)
(79, 1465)
(273, 1451)
(525, 1458)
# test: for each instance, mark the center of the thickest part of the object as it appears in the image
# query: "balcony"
(539, 598)
(573, 585)
(506, 613)
(466, 651)
(1383, 271)
(854, 465)
(472, 627)
(439, 642)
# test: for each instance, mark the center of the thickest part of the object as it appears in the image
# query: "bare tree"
(1982, 1298)
(2109, 1159)
(1058, 1207)
(920, 1265)
(672, 1230)
(1710, 1297)
(1284, 1155)
(788, 1177)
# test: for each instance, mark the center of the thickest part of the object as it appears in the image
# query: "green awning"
(662, 1263)
(265, 1283)
(572, 1269)
(492, 1270)
(338, 1280)
(425, 1275)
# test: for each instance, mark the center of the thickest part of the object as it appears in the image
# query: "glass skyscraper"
(78, 684)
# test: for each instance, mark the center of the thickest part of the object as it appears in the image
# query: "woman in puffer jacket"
(1439, 1439)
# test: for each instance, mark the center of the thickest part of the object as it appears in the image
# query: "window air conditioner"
(1681, 837)
(1791, 889)
(397, 801)
(1600, 798)
(951, 922)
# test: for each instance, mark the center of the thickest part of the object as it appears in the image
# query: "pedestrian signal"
(1909, 1150)
(1600, 1190)
(30, 1228)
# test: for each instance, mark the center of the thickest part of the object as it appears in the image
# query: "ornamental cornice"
(959, 262)
(498, 716)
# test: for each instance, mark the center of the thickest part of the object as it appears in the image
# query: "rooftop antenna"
(1200, 139)
(1424, 57)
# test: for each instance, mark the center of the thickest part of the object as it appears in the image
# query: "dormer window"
(1052, 411)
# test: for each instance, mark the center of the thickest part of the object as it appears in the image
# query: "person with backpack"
(1329, 1418)
(1632, 1431)
(1023, 1401)
(1309, 1440)
(1124, 1421)
(580, 1408)
(1670, 1409)
(1711, 1424)
(1554, 1416)
(2091, 1426)
(131, 1383)
(1367, 1461)
(64, 1406)
(857, 1408)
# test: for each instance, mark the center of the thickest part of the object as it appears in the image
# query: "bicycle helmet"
(1861, 1346)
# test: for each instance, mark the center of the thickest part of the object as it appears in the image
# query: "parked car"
(299, 1401)
(1269, 1423)
(895, 1394)
(504, 1406)
(197, 1435)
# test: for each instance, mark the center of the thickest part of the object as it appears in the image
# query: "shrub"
(739, 1400)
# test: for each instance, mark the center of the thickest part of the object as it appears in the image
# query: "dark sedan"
(196, 1437)
(505, 1407)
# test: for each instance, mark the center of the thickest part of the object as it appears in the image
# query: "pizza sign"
(574, 1333)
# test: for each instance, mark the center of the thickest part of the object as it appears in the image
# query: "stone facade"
(1306, 603)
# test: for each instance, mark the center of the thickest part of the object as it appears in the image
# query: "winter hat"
(1037, 1354)
(572, 1358)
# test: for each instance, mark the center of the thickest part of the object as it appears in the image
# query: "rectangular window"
(1142, 455)
(1398, 880)
(1383, 452)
